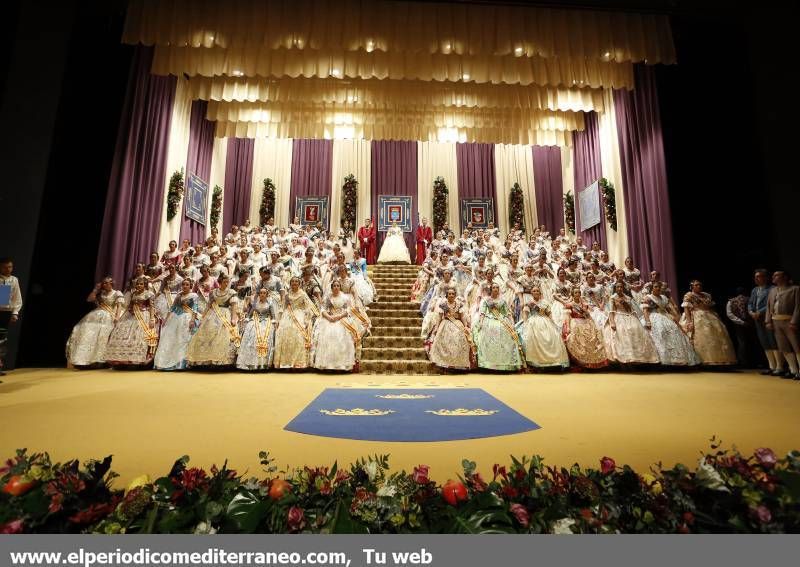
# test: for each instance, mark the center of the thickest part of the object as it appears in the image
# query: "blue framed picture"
(312, 210)
(393, 209)
(196, 198)
(479, 212)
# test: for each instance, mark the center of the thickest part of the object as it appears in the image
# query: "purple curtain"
(641, 146)
(586, 145)
(549, 187)
(238, 181)
(476, 179)
(312, 169)
(201, 147)
(394, 172)
(136, 187)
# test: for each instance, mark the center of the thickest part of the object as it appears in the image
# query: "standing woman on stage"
(562, 291)
(172, 256)
(673, 346)
(627, 341)
(451, 343)
(134, 339)
(363, 285)
(495, 338)
(709, 337)
(425, 276)
(179, 326)
(205, 285)
(540, 337)
(335, 337)
(217, 339)
(87, 343)
(258, 338)
(170, 287)
(293, 337)
(583, 339)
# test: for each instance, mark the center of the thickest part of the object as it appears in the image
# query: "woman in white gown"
(540, 337)
(216, 341)
(179, 326)
(258, 338)
(394, 249)
(87, 343)
(673, 346)
(335, 337)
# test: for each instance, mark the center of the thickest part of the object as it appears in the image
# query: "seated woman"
(596, 296)
(424, 277)
(433, 297)
(394, 249)
(562, 290)
(540, 337)
(335, 338)
(451, 341)
(293, 337)
(496, 341)
(363, 285)
(87, 343)
(258, 338)
(134, 339)
(709, 337)
(673, 346)
(627, 342)
(170, 287)
(179, 326)
(583, 339)
(217, 340)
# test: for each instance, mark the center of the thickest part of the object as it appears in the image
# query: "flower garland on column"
(569, 212)
(174, 194)
(216, 206)
(349, 202)
(267, 209)
(609, 202)
(516, 207)
(440, 193)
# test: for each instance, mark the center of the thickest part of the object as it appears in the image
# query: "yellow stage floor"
(147, 419)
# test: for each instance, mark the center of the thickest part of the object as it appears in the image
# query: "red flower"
(92, 514)
(326, 488)
(607, 465)
(454, 492)
(420, 475)
(296, 519)
(586, 513)
(762, 513)
(499, 471)
(7, 467)
(521, 514)
(688, 517)
(12, 527)
(477, 483)
(683, 529)
(56, 501)
(192, 479)
(766, 457)
(341, 476)
(510, 492)
(519, 475)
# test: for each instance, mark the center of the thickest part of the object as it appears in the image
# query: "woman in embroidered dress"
(627, 341)
(495, 338)
(434, 296)
(170, 287)
(709, 337)
(171, 256)
(633, 277)
(258, 339)
(425, 276)
(335, 337)
(188, 270)
(176, 332)
(134, 339)
(540, 337)
(205, 285)
(597, 298)
(462, 271)
(545, 277)
(363, 285)
(583, 339)
(216, 341)
(451, 343)
(394, 249)
(562, 291)
(673, 346)
(87, 343)
(293, 337)
(526, 283)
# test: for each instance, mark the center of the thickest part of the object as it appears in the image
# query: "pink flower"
(12, 527)
(296, 519)
(766, 457)
(763, 514)
(521, 514)
(420, 475)
(607, 465)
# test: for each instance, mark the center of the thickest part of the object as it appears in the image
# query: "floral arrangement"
(727, 492)
(174, 194)
(609, 202)
(267, 209)
(349, 202)
(516, 207)
(440, 193)
(569, 212)
(216, 206)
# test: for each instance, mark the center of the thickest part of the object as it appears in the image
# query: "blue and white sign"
(589, 206)
(196, 198)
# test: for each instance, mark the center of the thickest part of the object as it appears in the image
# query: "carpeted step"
(394, 295)
(392, 286)
(395, 321)
(376, 310)
(398, 367)
(393, 342)
(388, 331)
(402, 305)
(393, 353)
(392, 280)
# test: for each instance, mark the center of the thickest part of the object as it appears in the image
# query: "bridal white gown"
(394, 248)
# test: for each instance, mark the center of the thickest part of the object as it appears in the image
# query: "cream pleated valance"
(401, 27)
(388, 92)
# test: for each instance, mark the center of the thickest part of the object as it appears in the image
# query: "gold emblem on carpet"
(462, 412)
(356, 412)
(404, 396)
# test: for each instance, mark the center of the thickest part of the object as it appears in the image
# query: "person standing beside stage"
(366, 241)
(424, 238)
(757, 308)
(10, 305)
(783, 318)
(736, 311)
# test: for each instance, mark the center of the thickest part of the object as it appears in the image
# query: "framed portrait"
(393, 209)
(478, 212)
(196, 197)
(312, 210)
(589, 207)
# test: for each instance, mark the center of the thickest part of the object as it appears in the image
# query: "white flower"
(708, 477)
(204, 529)
(387, 491)
(562, 526)
(372, 470)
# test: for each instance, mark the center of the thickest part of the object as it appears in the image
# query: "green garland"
(267, 209)
(349, 202)
(516, 207)
(440, 198)
(216, 206)
(609, 202)
(569, 212)
(174, 194)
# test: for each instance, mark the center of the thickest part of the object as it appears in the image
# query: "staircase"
(394, 347)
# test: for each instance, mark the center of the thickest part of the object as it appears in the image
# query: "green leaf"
(343, 522)
(791, 480)
(247, 510)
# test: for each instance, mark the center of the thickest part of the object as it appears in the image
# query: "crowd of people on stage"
(296, 297)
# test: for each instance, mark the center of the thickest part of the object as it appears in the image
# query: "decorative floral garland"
(216, 206)
(267, 209)
(440, 198)
(349, 203)
(174, 194)
(609, 202)
(569, 212)
(516, 207)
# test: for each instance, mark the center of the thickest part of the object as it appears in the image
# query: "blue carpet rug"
(408, 415)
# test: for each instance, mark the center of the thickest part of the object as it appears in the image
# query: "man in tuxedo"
(366, 241)
(424, 238)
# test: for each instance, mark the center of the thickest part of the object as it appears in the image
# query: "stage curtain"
(238, 183)
(567, 179)
(514, 164)
(394, 172)
(271, 159)
(198, 161)
(135, 197)
(396, 27)
(549, 187)
(588, 169)
(437, 159)
(312, 163)
(612, 170)
(476, 175)
(428, 94)
(649, 219)
(217, 177)
(176, 160)
(350, 156)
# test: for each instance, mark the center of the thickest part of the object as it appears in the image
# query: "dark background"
(727, 112)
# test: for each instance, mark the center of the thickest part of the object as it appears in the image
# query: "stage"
(148, 419)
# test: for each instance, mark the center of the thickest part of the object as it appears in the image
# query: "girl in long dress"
(425, 276)
(134, 339)
(394, 249)
(583, 339)
(258, 338)
(451, 346)
(540, 337)
(87, 343)
(205, 285)
(627, 341)
(673, 346)
(363, 285)
(633, 277)
(179, 326)
(597, 298)
(434, 296)
(217, 340)
(335, 337)
(562, 290)
(293, 337)
(170, 287)
(709, 337)
(496, 340)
